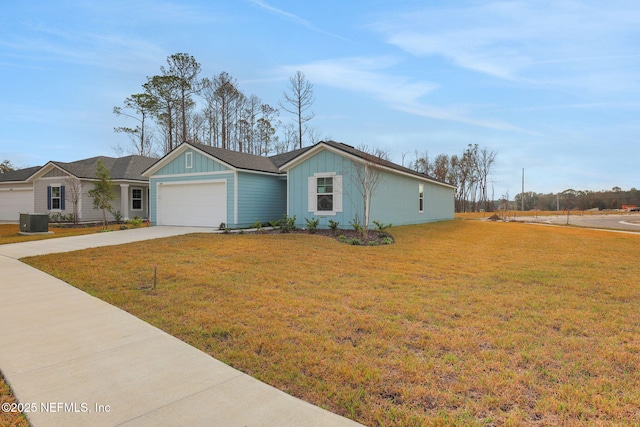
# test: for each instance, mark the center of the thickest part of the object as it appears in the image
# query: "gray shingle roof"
(250, 161)
(366, 156)
(272, 164)
(18, 175)
(239, 160)
(122, 168)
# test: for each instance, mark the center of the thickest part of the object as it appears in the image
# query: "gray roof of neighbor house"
(127, 168)
(121, 168)
(18, 175)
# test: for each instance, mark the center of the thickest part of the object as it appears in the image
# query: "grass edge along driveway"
(457, 323)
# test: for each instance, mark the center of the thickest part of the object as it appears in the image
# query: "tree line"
(469, 171)
(578, 199)
(179, 105)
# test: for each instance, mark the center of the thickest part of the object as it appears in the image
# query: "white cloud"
(369, 76)
(517, 40)
(291, 17)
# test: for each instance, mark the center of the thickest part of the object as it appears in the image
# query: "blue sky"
(552, 86)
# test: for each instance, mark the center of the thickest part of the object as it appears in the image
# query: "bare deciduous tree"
(298, 100)
(367, 175)
(73, 194)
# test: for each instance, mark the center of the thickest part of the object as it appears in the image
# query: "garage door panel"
(200, 204)
(12, 203)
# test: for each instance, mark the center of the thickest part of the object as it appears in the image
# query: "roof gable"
(231, 159)
(359, 156)
(128, 168)
(280, 163)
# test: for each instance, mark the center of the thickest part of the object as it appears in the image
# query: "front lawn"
(9, 233)
(9, 415)
(457, 323)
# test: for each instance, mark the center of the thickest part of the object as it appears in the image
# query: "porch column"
(124, 201)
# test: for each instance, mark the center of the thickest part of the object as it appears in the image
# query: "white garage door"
(202, 204)
(14, 202)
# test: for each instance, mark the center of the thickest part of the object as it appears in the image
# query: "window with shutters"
(420, 198)
(55, 198)
(325, 193)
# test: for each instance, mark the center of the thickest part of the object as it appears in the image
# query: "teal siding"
(324, 161)
(394, 201)
(200, 164)
(261, 198)
(202, 168)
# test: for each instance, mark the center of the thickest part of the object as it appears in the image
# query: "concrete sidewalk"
(76, 360)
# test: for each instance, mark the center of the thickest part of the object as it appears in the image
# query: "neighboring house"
(198, 185)
(16, 193)
(50, 188)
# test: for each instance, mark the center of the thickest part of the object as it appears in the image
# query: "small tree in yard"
(102, 193)
(73, 194)
(367, 177)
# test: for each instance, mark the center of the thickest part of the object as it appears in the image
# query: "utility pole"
(522, 198)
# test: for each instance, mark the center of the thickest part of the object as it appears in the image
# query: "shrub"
(373, 243)
(355, 223)
(57, 217)
(288, 223)
(386, 240)
(275, 224)
(222, 226)
(257, 225)
(135, 222)
(342, 238)
(355, 241)
(312, 225)
(117, 216)
(333, 225)
(381, 226)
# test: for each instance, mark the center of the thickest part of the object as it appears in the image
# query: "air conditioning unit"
(34, 223)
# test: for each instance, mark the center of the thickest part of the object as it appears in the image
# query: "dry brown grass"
(457, 323)
(9, 233)
(9, 418)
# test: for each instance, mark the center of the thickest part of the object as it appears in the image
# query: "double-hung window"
(420, 198)
(136, 199)
(325, 193)
(55, 197)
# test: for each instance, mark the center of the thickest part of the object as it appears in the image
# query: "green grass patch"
(458, 323)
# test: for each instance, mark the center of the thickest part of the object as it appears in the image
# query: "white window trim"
(141, 199)
(312, 193)
(188, 160)
(59, 198)
(420, 197)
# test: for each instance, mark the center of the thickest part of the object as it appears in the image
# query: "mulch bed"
(374, 237)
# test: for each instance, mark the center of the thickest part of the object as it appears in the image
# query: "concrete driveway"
(74, 360)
